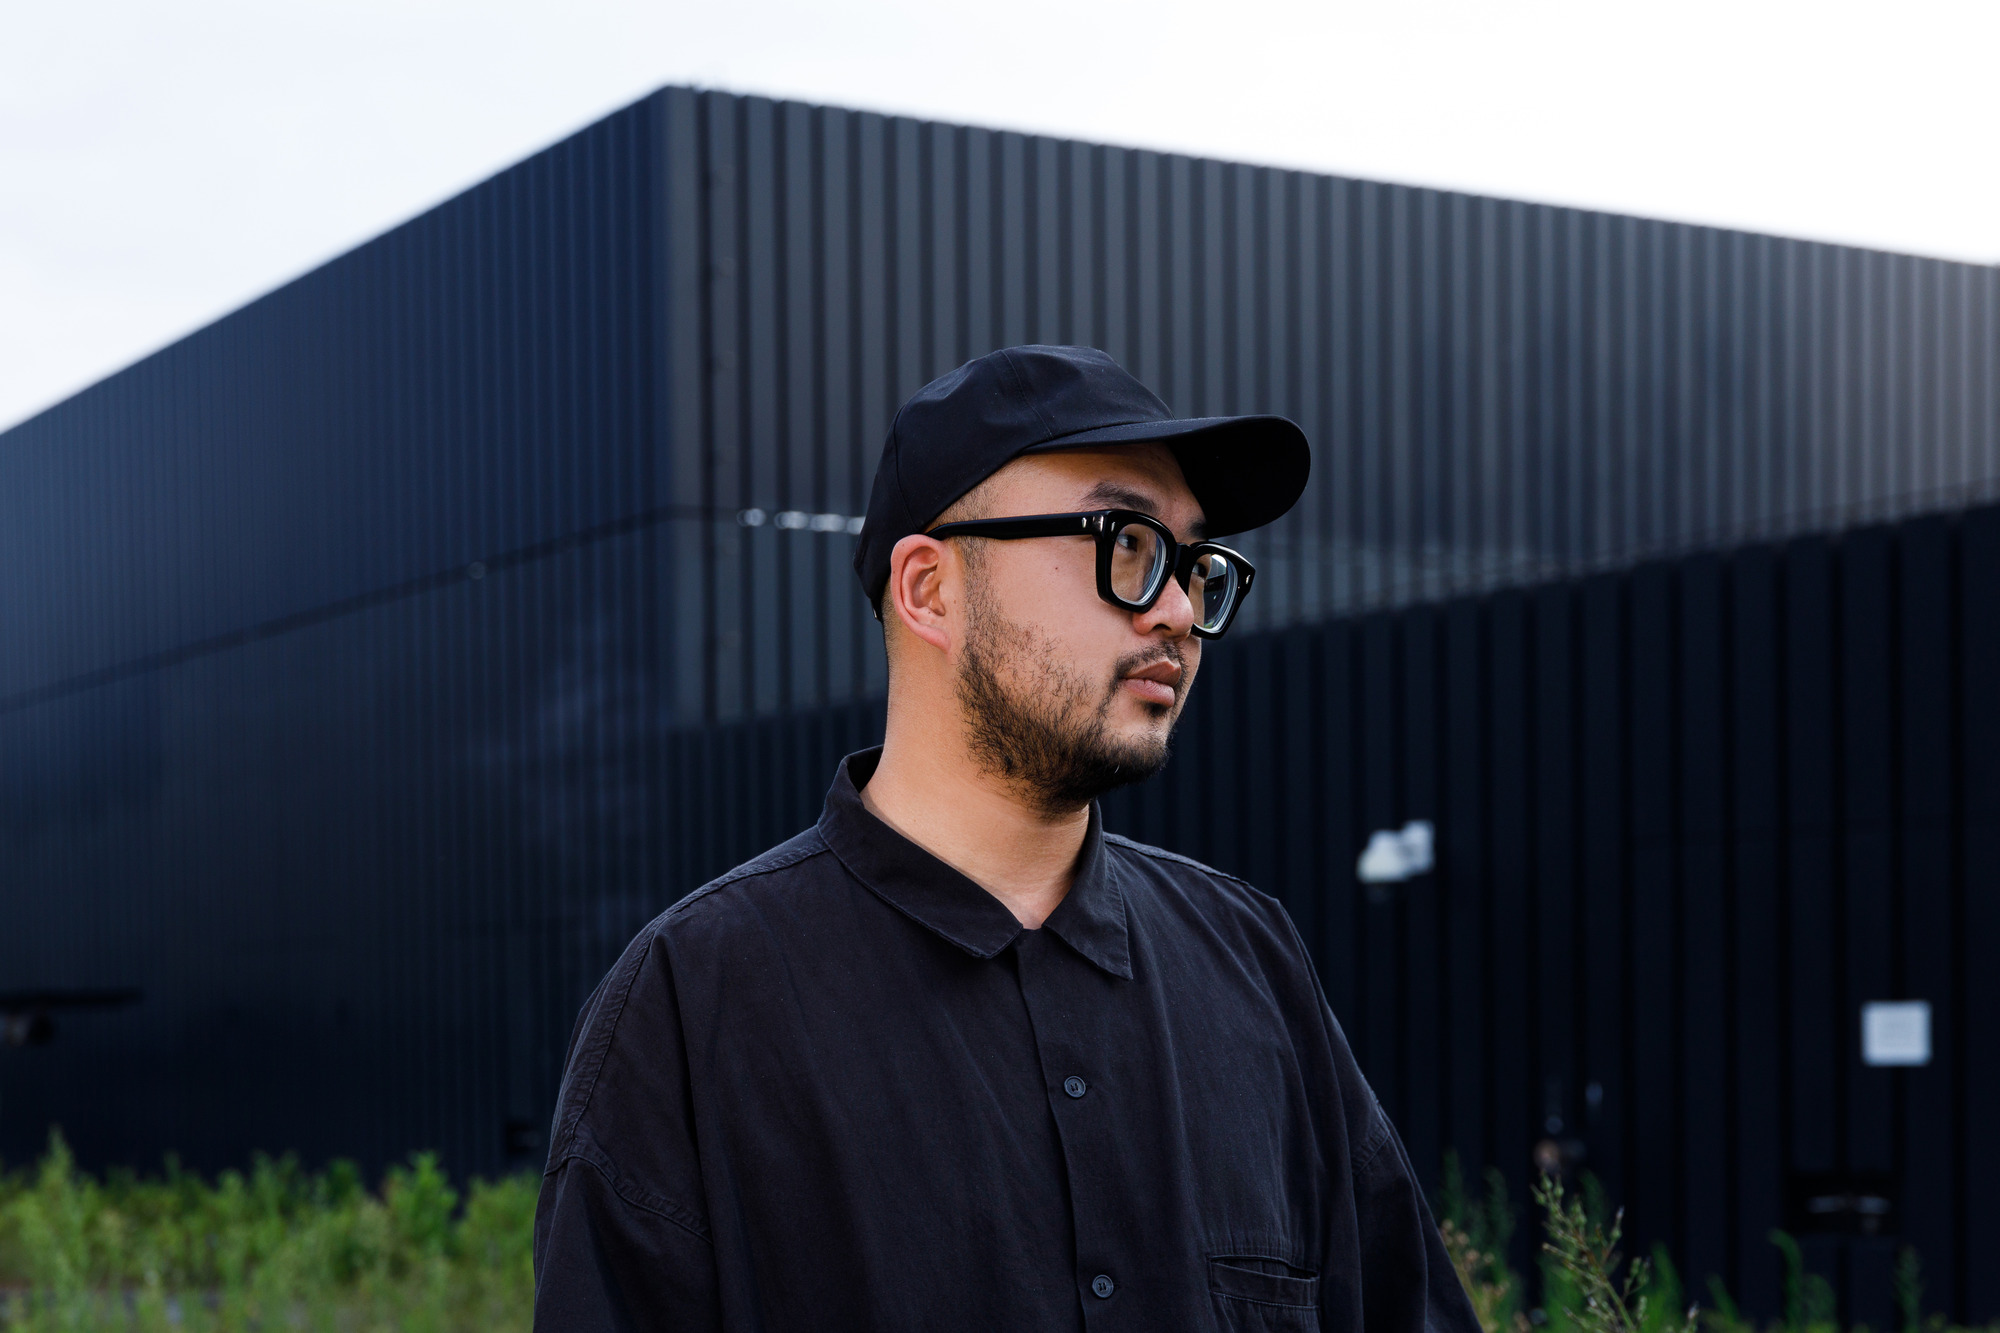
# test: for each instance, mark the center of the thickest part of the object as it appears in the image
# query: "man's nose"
(1172, 612)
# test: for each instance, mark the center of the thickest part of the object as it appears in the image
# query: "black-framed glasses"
(1136, 555)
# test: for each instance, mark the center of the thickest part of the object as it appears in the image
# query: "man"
(956, 1057)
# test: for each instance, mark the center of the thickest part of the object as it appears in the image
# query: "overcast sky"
(162, 164)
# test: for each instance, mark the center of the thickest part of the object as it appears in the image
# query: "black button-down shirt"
(842, 1088)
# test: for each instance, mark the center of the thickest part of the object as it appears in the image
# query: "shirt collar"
(1090, 918)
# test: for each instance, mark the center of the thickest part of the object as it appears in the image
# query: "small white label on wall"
(1896, 1032)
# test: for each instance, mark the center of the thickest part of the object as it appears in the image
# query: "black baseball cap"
(963, 427)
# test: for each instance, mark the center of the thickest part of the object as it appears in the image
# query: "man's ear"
(915, 595)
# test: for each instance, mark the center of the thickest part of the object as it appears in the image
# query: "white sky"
(161, 164)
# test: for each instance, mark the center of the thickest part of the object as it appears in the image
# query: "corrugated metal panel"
(481, 379)
(362, 873)
(709, 304)
(331, 682)
(1497, 392)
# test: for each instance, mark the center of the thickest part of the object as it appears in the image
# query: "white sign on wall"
(1896, 1032)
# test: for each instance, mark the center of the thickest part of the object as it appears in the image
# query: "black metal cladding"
(709, 304)
(1497, 392)
(376, 660)
(478, 380)
(332, 657)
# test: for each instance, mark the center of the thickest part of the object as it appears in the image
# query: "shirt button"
(1103, 1285)
(1076, 1087)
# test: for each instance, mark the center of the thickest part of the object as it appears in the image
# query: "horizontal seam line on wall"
(412, 587)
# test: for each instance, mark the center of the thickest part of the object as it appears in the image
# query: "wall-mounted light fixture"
(27, 1016)
(1394, 855)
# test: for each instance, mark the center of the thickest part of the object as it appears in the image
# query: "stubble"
(1043, 726)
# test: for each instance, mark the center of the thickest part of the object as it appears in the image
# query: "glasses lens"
(1213, 587)
(1138, 563)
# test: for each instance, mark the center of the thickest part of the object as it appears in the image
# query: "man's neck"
(937, 797)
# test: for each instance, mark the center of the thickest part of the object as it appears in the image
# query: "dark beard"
(1045, 734)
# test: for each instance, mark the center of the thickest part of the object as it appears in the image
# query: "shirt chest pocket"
(1254, 1293)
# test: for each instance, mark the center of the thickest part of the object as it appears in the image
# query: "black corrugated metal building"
(377, 659)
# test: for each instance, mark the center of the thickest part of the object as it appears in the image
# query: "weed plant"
(1589, 1286)
(276, 1248)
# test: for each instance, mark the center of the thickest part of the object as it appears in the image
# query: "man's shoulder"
(1190, 875)
(1176, 864)
(635, 1012)
(1174, 895)
(724, 908)
(781, 870)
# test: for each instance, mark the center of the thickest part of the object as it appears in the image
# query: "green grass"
(277, 1247)
(1589, 1286)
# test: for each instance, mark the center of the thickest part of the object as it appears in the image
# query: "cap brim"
(1245, 471)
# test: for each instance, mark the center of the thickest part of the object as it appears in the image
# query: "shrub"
(278, 1247)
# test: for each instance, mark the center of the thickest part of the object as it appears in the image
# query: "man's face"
(1064, 693)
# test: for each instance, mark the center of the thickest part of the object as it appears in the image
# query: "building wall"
(480, 380)
(1496, 392)
(707, 305)
(331, 635)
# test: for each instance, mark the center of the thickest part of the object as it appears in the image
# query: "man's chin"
(1139, 722)
(1141, 746)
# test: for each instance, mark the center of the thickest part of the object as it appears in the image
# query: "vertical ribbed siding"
(479, 379)
(330, 687)
(1496, 392)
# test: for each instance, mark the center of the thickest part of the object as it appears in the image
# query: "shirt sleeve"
(605, 1262)
(622, 1242)
(1408, 1282)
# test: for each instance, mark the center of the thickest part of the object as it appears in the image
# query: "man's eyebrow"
(1111, 495)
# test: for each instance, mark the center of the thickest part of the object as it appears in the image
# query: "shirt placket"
(1082, 1087)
